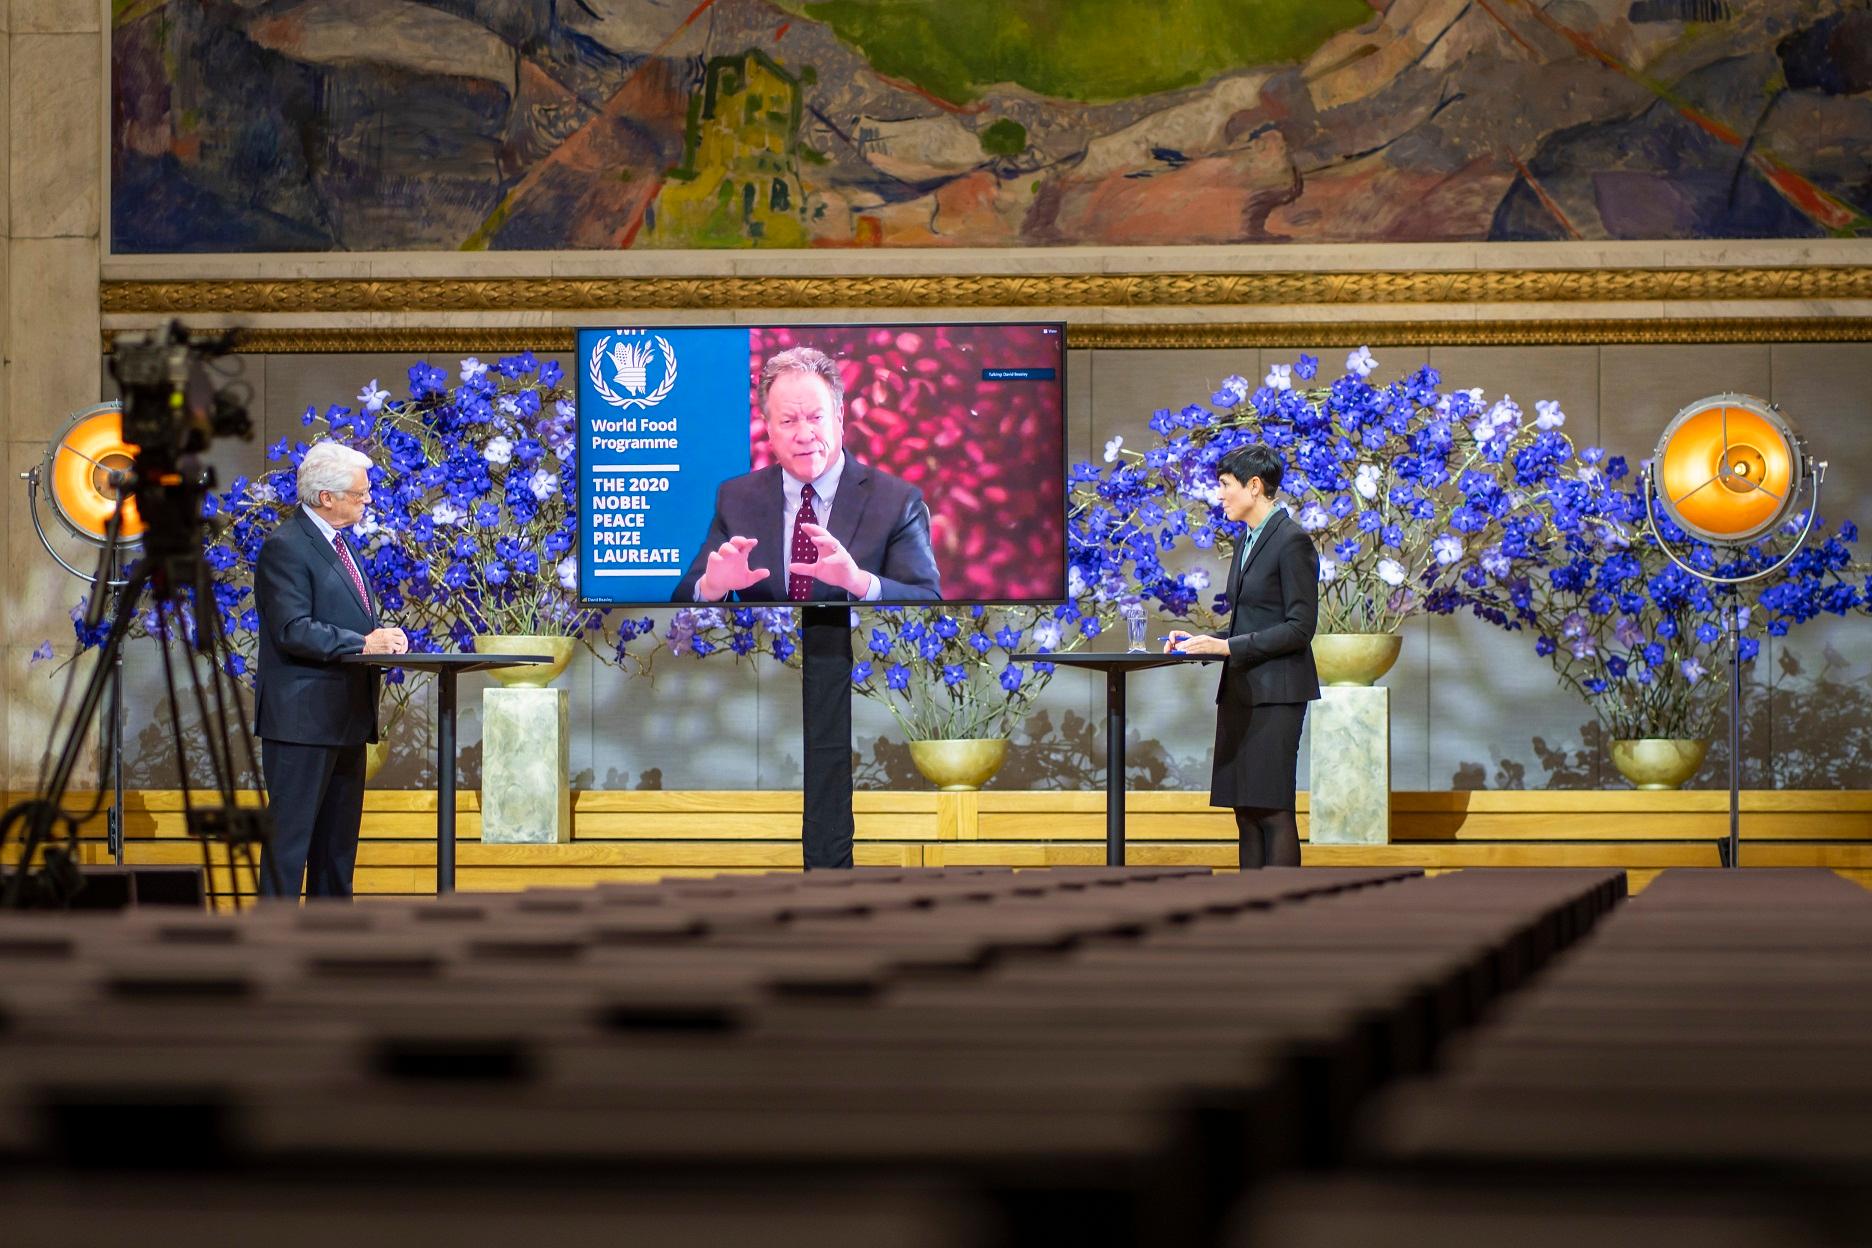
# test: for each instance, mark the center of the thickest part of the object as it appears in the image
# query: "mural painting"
(367, 125)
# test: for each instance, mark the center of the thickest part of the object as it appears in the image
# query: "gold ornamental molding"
(417, 340)
(613, 295)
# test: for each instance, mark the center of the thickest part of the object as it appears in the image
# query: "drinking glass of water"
(1131, 610)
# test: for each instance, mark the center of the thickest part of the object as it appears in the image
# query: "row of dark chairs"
(1694, 1072)
(943, 1057)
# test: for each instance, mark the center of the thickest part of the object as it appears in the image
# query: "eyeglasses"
(363, 496)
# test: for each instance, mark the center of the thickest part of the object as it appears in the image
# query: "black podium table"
(1116, 665)
(446, 668)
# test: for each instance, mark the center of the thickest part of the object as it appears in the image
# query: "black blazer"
(310, 616)
(882, 520)
(1274, 611)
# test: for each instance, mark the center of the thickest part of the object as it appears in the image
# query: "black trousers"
(316, 796)
(1269, 838)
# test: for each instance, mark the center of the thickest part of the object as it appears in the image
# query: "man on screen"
(816, 525)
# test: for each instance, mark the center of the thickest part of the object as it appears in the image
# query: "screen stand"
(826, 723)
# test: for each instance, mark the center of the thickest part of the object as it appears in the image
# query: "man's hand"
(1194, 643)
(835, 566)
(727, 571)
(386, 641)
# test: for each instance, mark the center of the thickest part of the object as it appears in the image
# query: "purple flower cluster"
(1637, 635)
(1403, 487)
(468, 530)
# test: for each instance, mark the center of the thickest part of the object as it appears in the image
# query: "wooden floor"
(621, 835)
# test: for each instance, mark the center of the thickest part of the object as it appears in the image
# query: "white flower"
(366, 525)
(1494, 562)
(1075, 583)
(1447, 548)
(372, 398)
(1367, 479)
(568, 573)
(1361, 362)
(446, 513)
(1236, 386)
(1550, 417)
(1046, 634)
(508, 404)
(1280, 377)
(1504, 417)
(1113, 447)
(1314, 517)
(543, 484)
(1210, 493)
(1197, 579)
(472, 368)
(1329, 570)
(565, 408)
(1391, 572)
(499, 450)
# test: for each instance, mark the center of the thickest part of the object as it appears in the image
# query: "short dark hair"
(1255, 460)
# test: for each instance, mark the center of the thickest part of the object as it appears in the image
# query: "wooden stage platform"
(647, 835)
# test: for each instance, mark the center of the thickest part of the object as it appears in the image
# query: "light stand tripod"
(109, 478)
(117, 471)
(1727, 470)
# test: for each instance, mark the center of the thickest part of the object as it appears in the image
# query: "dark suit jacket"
(882, 520)
(1274, 608)
(310, 616)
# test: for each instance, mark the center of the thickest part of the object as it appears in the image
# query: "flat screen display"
(892, 464)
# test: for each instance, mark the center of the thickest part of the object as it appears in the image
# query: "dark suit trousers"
(316, 796)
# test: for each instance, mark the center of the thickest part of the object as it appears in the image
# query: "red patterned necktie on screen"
(799, 586)
(344, 557)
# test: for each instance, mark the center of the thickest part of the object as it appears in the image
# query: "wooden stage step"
(647, 835)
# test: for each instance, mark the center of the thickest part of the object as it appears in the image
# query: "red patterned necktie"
(344, 557)
(799, 585)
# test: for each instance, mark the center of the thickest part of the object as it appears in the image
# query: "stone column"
(1350, 786)
(526, 753)
(52, 92)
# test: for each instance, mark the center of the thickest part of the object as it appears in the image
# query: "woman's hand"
(1181, 642)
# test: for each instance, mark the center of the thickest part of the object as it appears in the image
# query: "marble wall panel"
(54, 117)
(51, 360)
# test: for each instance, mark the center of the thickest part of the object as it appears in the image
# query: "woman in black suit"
(1273, 592)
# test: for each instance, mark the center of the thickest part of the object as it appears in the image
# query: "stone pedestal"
(1350, 784)
(526, 789)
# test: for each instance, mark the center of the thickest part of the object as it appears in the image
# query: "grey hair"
(329, 466)
(804, 360)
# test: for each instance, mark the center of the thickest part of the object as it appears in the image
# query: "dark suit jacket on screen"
(1274, 609)
(882, 520)
(310, 616)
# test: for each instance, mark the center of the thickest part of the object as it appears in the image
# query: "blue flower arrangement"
(1402, 487)
(943, 673)
(468, 530)
(1643, 641)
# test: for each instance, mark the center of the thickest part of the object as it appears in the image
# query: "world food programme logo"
(631, 361)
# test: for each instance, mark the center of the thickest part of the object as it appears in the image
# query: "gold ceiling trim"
(613, 295)
(407, 340)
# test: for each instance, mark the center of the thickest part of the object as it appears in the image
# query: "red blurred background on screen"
(989, 456)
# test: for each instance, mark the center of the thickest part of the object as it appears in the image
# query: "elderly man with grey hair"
(314, 714)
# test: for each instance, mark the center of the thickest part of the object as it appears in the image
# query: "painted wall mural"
(366, 125)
